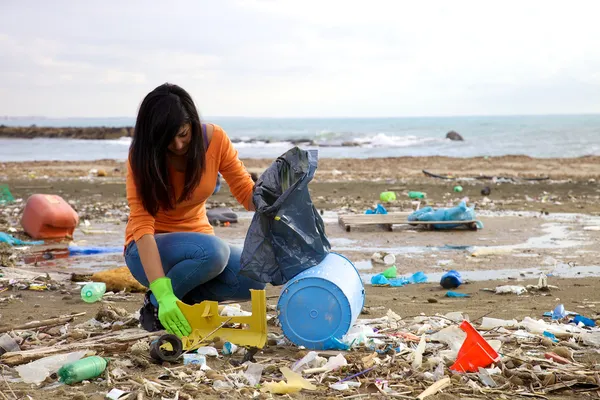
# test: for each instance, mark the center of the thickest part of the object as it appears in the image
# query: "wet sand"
(529, 227)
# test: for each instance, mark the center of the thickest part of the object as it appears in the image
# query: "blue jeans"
(201, 267)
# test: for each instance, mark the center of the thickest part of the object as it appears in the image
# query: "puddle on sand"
(56, 256)
(363, 265)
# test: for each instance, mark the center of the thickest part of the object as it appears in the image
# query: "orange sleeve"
(142, 223)
(237, 177)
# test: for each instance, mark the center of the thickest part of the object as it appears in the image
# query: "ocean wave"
(383, 140)
(123, 141)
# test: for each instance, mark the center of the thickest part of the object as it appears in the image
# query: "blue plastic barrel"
(321, 303)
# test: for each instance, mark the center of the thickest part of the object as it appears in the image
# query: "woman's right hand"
(169, 314)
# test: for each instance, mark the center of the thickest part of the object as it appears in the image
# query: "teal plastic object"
(381, 280)
(92, 292)
(456, 294)
(84, 369)
(319, 305)
(458, 213)
(13, 241)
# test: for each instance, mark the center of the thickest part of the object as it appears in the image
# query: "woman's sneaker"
(149, 315)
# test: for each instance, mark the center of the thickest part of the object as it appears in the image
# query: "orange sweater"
(190, 215)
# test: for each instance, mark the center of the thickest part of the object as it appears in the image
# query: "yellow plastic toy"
(206, 323)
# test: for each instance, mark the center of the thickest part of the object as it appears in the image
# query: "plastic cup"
(475, 352)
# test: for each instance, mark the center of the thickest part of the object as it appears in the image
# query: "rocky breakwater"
(32, 132)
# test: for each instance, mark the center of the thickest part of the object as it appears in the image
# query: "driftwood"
(112, 341)
(41, 324)
(436, 387)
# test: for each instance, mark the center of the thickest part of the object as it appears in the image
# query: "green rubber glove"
(169, 314)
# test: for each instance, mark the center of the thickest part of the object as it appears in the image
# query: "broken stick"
(39, 324)
(436, 387)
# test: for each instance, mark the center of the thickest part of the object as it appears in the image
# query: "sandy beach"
(530, 227)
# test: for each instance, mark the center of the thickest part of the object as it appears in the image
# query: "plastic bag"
(458, 213)
(287, 234)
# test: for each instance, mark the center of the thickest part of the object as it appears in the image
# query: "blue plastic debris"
(418, 277)
(456, 294)
(585, 321)
(379, 280)
(378, 210)
(551, 336)
(91, 250)
(335, 344)
(458, 213)
(451, 280)
(559, 312)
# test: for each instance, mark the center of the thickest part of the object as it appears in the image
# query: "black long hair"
(161, 115)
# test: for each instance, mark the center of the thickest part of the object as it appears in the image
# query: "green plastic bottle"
(416, 195)
(81, 370)
(92, 292)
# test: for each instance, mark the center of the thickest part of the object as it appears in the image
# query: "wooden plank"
(391, 219)
(373, 219)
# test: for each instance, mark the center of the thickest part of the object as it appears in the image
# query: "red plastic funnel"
(475, 352)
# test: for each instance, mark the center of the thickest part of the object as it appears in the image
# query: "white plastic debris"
(311, 360)
(418, 354)
(229, 348)
(222, 385)
(233, 310)
(116, 394)
(452, 336)
(492, 323)
(506, 289)
(335, 362)
(37, 371)
(253, 373)
(208, 351)
(383, 258)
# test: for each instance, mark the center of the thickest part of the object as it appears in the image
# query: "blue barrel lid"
(313, 310)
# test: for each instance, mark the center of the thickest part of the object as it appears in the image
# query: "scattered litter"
(37, 371)
(194, 359)
(383, 258)
(294, 383)
(116, 394)
(511, 289)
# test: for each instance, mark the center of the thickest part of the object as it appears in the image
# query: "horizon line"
(41, 117)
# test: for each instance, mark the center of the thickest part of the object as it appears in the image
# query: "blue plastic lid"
(312, 311)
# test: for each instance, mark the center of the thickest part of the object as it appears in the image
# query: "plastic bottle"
(86, 368)
(451, 280)
(416, 195)
(92, 292)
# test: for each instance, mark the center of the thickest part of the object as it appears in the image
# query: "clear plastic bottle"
(86, 368)
(92, 292)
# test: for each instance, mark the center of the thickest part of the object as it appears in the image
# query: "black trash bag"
(287, 234)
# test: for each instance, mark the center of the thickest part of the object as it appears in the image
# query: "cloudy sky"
(301, 58)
